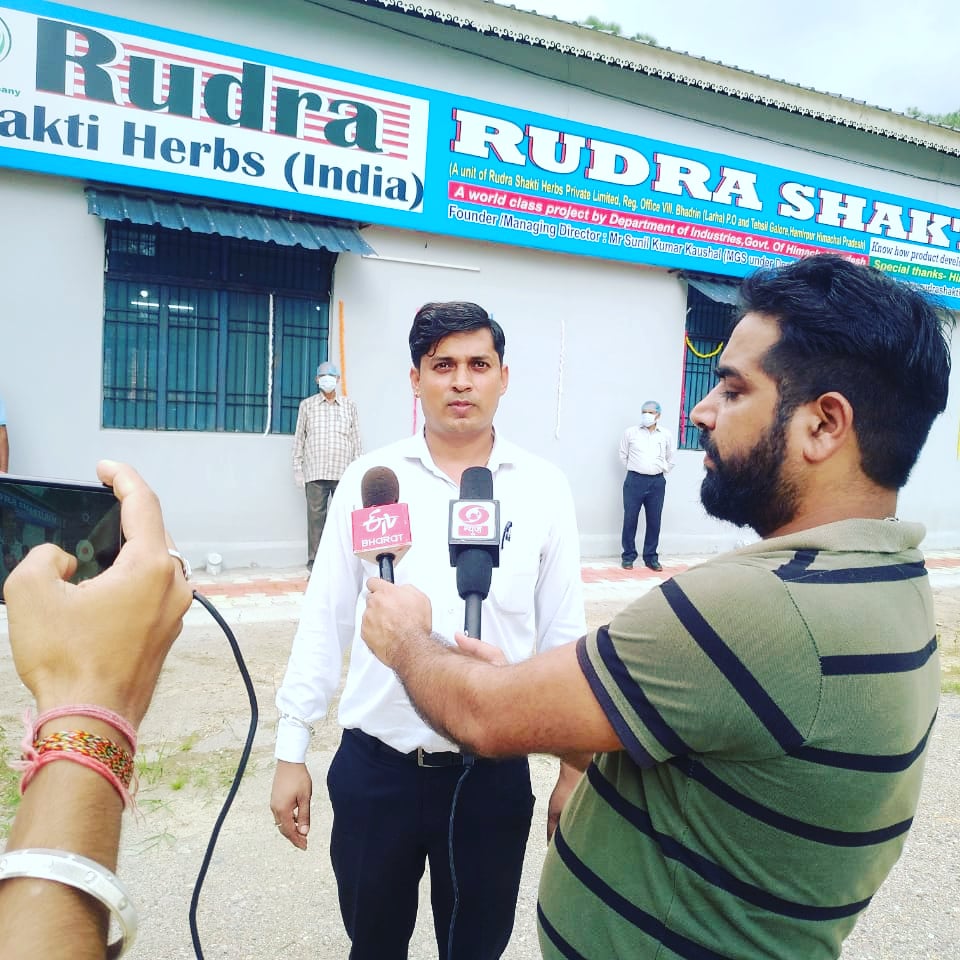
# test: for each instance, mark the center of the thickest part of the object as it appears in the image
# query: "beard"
(750, 489)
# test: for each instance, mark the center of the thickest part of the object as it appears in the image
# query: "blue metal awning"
(176, 214)
(716, 290)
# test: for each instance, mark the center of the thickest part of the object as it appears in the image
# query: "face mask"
(327, 383)
(648, 419)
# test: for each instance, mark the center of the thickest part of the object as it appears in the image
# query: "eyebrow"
(726, 372)
(470, 359)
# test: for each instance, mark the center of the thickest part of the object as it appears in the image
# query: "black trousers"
(391, 816)
(640, 490)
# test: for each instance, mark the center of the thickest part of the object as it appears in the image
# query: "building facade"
(202, 201)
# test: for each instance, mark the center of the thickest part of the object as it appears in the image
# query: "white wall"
(587, 340)
(220, 491)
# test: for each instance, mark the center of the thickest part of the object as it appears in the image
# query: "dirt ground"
(262, 899)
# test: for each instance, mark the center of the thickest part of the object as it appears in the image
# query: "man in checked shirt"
(326, 440)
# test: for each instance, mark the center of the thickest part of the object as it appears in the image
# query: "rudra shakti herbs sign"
(87, 95)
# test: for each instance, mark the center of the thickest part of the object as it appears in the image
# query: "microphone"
(474, 539)
(381, 530)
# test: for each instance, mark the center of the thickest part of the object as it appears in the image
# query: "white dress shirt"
(535, 601)
(647, 451)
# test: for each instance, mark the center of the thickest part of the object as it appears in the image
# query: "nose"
(703, 415)
(461, 378)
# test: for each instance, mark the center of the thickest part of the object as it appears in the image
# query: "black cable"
(467, 767)
(241, 766)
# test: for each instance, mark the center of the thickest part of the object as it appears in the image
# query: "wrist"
(78, 721)
(411, 649)
(121, 702)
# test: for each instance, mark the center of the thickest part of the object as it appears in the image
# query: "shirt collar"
(857, 533)
(503, 452)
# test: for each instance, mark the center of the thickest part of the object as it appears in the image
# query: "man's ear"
(827, 425)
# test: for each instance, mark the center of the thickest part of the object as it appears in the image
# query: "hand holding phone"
(83, 519)
(105, 640)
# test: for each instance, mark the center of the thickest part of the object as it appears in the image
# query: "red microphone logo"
(474, 521)
(381, 529)
(381, 520)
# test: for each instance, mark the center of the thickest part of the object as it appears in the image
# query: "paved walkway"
(250, 594)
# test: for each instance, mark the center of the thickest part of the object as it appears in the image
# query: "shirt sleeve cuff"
(292, 741)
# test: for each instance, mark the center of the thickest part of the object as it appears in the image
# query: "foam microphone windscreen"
(474, 572)
(378, 486)
(476, 483)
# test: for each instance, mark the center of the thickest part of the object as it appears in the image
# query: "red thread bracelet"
(88, 710)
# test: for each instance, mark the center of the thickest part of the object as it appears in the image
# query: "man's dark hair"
(434, 321)
(879, 342)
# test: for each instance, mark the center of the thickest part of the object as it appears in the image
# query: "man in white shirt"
(647, 452)
(403, 795)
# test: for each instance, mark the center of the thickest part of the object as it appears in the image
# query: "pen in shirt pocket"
(506, 533)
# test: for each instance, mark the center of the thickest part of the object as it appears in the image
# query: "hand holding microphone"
(381, 530)
(474, 539)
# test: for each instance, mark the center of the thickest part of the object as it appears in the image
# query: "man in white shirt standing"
(325, 441)
(403, 795)
(646, 451)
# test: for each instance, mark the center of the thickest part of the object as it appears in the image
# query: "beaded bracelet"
(103, 756)
(99, 754)
(83, 874)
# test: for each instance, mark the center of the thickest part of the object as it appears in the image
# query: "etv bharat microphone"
(381, 530)
(474, 542)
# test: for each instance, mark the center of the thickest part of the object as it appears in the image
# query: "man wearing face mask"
(325, 442)
(646, 451)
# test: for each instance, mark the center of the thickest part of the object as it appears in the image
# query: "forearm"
(70, 808)
(4, 450)
(445, 687)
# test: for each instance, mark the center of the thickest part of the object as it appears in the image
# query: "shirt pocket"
(514, 583)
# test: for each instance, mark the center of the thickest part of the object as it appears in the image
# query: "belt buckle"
(424, 759)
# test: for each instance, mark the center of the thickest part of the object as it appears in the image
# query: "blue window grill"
(209, 333)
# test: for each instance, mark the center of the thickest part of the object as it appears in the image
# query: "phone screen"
(81, 518)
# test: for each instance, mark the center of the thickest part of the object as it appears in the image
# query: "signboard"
(86, 95)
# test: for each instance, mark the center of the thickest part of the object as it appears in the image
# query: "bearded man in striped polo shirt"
(754, 730)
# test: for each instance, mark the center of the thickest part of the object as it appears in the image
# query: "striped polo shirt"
(774, 706)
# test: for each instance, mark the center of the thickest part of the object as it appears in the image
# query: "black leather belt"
(421, 757)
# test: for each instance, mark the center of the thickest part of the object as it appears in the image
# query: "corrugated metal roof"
(227, 221)
(507, 22)
(716, 290)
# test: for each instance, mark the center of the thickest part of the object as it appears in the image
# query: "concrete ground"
(261, 899)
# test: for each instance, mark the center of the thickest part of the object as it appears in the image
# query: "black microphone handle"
(386, 566)
(471, 615)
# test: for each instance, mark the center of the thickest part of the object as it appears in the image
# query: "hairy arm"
(541, 705)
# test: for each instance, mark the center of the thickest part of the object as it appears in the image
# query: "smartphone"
(81, 518)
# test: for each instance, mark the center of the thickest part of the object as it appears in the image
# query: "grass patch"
(950, 677)
(9, 787)
(178, 766)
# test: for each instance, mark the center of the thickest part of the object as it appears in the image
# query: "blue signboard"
(83, 94)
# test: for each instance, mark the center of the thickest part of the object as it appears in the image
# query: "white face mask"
(648, 419)
(327, 383)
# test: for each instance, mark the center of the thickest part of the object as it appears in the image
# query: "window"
(708, 321)
(203, 332)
